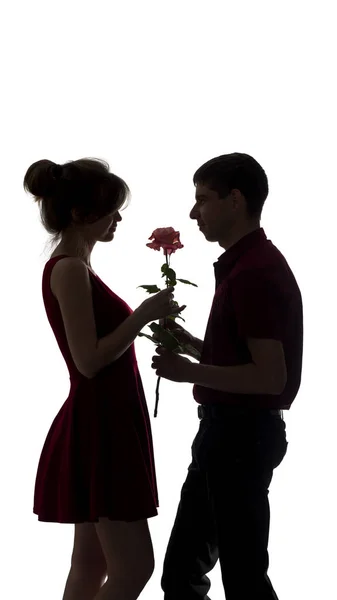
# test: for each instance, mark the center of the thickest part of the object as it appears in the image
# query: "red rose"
(166, 238)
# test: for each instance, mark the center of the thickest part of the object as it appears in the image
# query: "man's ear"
(238, 199)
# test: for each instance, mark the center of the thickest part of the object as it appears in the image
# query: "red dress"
(97, 460)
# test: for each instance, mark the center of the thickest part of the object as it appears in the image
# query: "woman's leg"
(88, 566)
(128, 552)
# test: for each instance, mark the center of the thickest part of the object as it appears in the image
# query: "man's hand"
(183, 336)
(171, 366)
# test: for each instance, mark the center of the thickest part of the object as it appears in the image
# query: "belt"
(218, 411)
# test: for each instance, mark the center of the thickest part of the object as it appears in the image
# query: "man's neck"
(234, 236)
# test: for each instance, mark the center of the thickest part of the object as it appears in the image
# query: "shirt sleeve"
(259, 305)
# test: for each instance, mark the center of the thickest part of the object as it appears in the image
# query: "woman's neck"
(75, 251)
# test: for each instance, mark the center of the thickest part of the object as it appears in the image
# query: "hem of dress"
(74, 521)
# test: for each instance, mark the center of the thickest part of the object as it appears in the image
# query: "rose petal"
(154, 246)
(166, 238)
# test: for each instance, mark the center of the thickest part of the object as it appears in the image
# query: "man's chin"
(208, 236)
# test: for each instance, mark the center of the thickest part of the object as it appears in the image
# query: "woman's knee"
(87, 559)
(90, 571)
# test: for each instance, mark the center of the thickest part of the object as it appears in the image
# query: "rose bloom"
(166, 238)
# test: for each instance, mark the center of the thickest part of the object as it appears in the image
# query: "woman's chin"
(108, 236)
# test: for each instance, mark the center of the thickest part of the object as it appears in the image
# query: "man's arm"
(266, 374)
(261, 316)
(197, 344)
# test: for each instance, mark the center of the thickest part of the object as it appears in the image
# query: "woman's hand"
(159, 306)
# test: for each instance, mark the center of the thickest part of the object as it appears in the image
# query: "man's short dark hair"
(236, 171)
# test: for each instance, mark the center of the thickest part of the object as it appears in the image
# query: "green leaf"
(148, 337)
(188, 282)
(151, 289)
(179, 350)
(167, 341)
(170, 274)
(174, 317)
(166, 338)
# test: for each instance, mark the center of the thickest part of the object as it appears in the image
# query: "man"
(249, 373)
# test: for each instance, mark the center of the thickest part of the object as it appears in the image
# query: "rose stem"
(165, 323)
(157, 397)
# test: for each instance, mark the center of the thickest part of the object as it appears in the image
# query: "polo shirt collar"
(230, 256)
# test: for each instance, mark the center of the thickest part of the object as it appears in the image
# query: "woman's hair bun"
(41, 178)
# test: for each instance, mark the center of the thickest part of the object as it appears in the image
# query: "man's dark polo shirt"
(256, 296)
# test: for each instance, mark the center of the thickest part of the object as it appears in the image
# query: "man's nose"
(194, 213)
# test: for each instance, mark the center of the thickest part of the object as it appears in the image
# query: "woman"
(97, 468)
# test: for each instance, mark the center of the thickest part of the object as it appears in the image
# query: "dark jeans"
(224, 510)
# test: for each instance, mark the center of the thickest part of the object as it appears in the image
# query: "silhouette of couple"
(96, 468)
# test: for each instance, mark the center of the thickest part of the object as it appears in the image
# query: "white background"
(157, 89)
